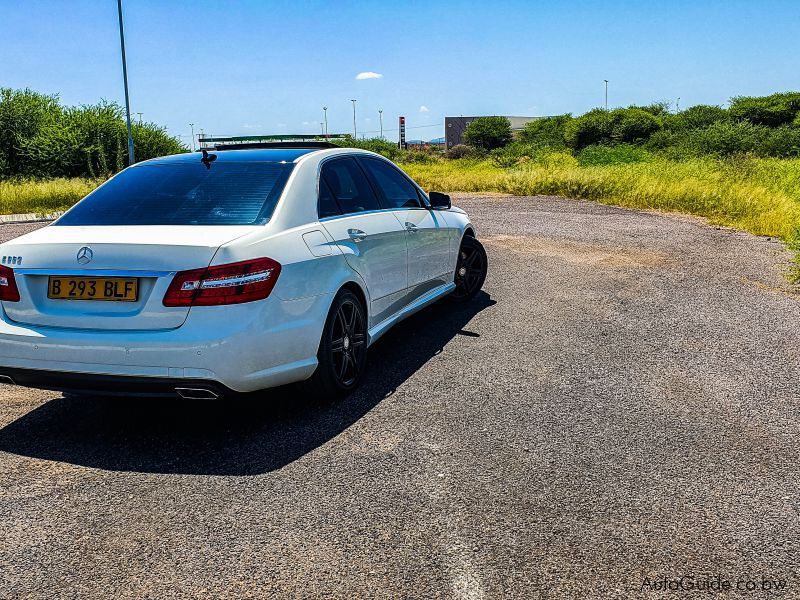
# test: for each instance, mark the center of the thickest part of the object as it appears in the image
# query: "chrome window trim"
(363, 212)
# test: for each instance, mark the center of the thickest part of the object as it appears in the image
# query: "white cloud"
(306, 122)
(424, 108)
(369, 75)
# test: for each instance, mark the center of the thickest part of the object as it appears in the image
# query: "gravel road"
(621, 406)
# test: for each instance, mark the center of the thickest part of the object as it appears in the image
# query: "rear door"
(372, 240)
(428, 234)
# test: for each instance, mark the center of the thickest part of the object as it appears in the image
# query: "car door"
(372, 239)
(428, 234)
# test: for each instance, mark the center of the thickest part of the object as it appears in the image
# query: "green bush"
(545, 133)
(729, 138)
(620, 126)
(40, 138)
(388, 149)
(593, 127)
(463, 151)
(620, 154)
(22, 114)
(488, 132)
(771, 111)
(695, 117)
(512, 154)
(633, 125)
(658, 109)
(782, 142)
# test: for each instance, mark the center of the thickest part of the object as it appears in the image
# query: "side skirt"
(418, 304)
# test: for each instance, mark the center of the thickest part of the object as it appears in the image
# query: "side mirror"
(439, 200)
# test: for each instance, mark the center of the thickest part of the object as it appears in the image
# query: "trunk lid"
(150, 253)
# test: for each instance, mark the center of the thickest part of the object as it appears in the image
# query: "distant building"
(454, 127)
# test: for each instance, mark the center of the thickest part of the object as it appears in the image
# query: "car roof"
(284, 155)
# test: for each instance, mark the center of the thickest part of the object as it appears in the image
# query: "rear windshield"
(227, 193)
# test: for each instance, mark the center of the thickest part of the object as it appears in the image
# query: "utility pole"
(192, 126)
(678, 105)
(325, 110)
(355, 131)
(140, 117)
(606, 80)
(131, 158)
(322, 129)
(380, 118)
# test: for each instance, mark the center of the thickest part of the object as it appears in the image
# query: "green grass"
(43, 196)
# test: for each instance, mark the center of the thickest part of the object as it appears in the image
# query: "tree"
(488, 132)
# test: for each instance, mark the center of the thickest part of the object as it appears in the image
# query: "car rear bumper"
(116, 385)
(242, 348)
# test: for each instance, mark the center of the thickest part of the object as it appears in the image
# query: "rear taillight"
(8, 285)
(233, 283)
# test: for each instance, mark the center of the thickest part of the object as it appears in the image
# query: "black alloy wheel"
(471, 270)
(349, 342)
(342, 353)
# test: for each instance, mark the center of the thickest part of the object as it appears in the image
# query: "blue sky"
(247, 67)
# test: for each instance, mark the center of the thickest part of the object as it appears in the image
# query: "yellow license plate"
(118, 289)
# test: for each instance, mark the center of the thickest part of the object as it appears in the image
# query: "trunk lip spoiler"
(95, 272)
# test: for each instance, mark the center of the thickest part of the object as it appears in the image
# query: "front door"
(428, 233)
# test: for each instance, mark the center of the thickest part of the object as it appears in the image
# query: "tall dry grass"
(43, 196)
(761, 196)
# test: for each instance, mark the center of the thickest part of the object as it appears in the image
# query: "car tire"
(471, 268)
(342, 353)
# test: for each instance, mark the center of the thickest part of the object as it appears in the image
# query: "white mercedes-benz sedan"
(210, 274)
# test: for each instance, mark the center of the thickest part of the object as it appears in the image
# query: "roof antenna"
(208, 158)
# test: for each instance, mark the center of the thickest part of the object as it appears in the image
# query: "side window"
(326, 206)
(396, 189)
(349, 186)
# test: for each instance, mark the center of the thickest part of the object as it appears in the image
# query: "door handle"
(356, 234)
(411, 227)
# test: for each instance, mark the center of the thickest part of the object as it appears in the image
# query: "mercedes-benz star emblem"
(85, 255)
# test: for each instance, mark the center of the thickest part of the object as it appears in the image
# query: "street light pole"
(192, 126)
(325, 110)
(322, 129)
(355, 131)
(678, 105)
(606, 80)
(131, 158)
(380, 118)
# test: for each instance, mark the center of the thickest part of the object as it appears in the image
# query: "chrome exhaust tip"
(196, 393)
(7, 380)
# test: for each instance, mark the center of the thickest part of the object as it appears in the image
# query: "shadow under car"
(242, 436)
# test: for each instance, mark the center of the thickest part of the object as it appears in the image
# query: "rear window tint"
(349, 186)
(327, 206)
(227, 193)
